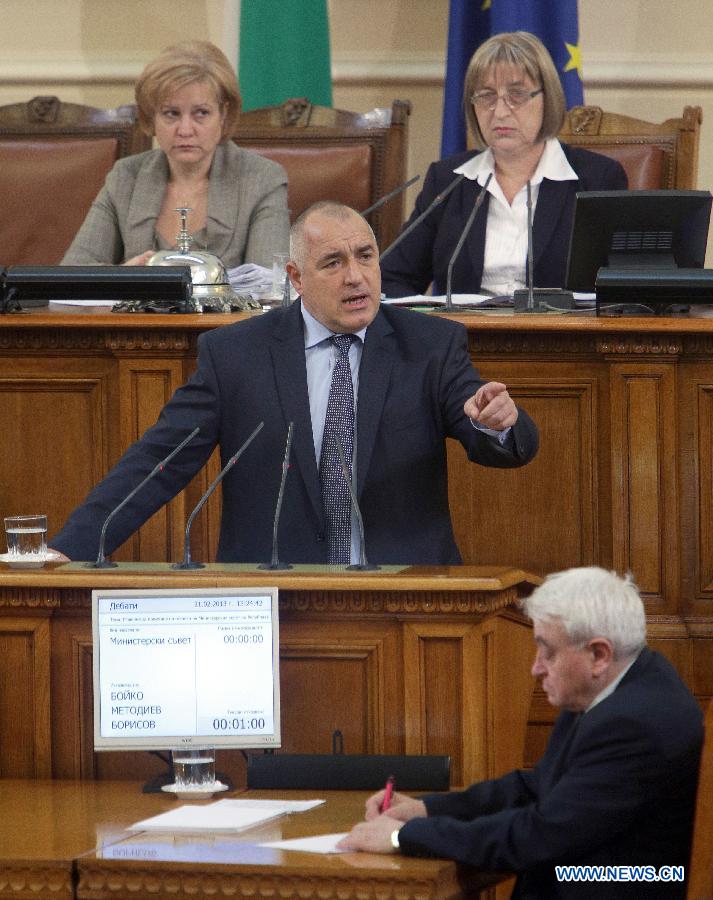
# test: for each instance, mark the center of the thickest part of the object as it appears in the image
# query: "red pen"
(388, 793)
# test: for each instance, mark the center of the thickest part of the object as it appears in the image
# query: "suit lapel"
(558, 753)
(146, 201)
(287, 350)
(222, 200)
(553, 199)
(374, 374)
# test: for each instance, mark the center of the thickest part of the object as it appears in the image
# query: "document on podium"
(462, 301)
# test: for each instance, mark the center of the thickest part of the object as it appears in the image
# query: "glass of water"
(194, 769)
(26, 536)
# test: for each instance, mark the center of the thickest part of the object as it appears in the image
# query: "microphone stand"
(439, 198)
(530, 271)
(389, 196)
(187, 561)
(362, 565)
(275, 563)
(461, 240)
(538, 300)
(102, 562)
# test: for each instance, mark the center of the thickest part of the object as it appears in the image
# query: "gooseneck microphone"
(362, 565)
(275, 562)
(102, 562)
(532, 299)
(390, 196)
(461, 240)
(187, 561)
(439, 198)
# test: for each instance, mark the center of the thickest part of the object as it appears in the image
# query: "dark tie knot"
(343, 342)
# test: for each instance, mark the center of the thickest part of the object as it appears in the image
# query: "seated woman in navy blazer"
(515, 107)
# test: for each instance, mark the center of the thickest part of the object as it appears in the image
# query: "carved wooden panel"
(339, 677)
(645, 479)
(546, 515)
(463, 694)
(704, 473)
(53, 439)
(146, 386)
(25, 750)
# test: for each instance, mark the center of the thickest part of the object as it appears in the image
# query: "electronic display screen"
(182, 668)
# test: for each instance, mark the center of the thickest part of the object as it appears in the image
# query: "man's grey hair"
(591, 602)
(330, 208)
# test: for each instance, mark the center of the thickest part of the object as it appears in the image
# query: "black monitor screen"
(645, 229)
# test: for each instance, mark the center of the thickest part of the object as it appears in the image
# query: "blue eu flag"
(473, 21)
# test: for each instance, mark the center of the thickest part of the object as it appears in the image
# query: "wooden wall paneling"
(145, 387)
(72, 713)
(645, 480)
(55, 415)
(340, 676)
(704, 473)
(25, 747)
(447, 668)
(545, 516)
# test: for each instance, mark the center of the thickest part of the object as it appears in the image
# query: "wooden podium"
(417, 660)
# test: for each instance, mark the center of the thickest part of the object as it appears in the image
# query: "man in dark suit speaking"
(411, 386)
(615, 790)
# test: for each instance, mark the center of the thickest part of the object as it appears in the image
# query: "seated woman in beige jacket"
(188, 98)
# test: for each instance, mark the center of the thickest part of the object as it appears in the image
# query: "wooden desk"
(425, 660)
(68, 839)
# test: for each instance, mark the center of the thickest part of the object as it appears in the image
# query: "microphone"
(389, 196)
(275, 563)
(362, 565)
(461, 240)
(187, 561)
(102, 562)
(439, 198)
(547, 298)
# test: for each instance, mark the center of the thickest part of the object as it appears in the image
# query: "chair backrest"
(54, 157)
(332, 154)
(700, 871)
(348, 772)
(654, 156)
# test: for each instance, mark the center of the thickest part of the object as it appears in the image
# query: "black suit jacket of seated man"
(414, 378)
(615, 787)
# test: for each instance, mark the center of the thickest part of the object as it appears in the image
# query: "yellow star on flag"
(575, 58)
(486, 4)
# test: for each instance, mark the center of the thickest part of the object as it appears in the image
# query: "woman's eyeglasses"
(513, 99)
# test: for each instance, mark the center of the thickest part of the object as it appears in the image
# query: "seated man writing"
(616, 785)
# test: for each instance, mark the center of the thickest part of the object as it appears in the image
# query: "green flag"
(284, 52)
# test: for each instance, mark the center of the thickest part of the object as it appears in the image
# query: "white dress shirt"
(505, 257)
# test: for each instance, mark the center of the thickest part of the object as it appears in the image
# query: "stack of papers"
(250, 279)
(224, 815)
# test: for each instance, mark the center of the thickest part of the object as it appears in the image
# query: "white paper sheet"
(321, 843)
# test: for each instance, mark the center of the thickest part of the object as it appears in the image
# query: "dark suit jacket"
(618, 790)
(423, 256)
(414, 377)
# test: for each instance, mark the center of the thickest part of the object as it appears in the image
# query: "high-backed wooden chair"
(54, 157)
(700, 872)
(332, 154)
(654, 156)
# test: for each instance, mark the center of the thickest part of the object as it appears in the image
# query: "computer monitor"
(186, 668)
(644, 231)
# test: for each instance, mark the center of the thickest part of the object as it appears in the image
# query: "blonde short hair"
(525, 52)
(180, 65)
